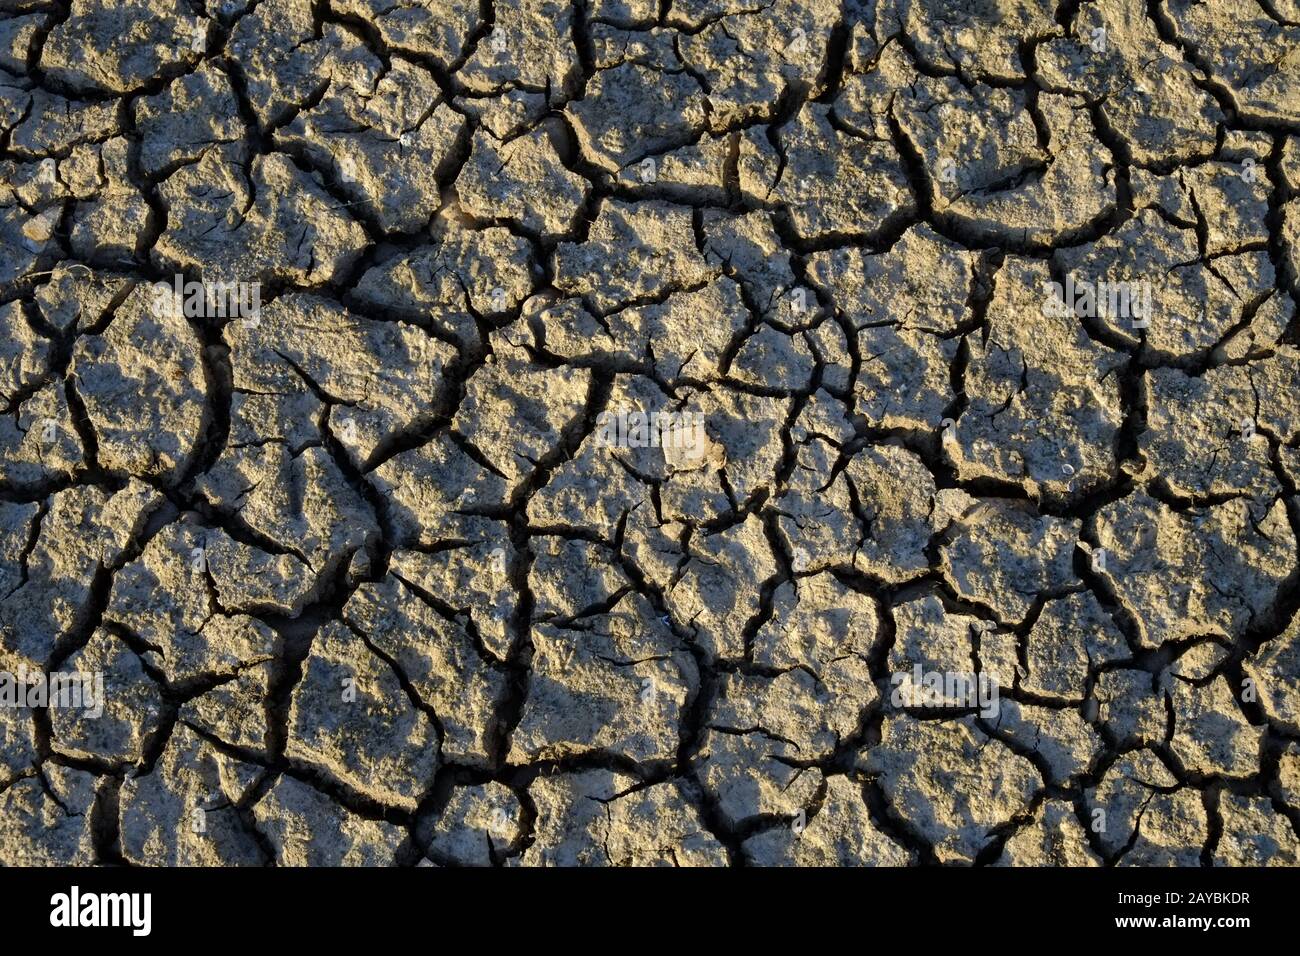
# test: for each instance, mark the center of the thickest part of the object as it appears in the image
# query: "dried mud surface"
(364, 582)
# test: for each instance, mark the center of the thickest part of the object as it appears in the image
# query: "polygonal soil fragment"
(112, 225)
(770, 358)
(530, 47)
(430, 489)
(994, 174)
(1201, 438)
(182, 812)
(694, 173)
(144, 388)
(67, 544)
(792, 706)
(45, 819)
(1072, 636)
(1145, 283)
(921, 282)
(1198, 571)
(40, 441)
(18, 753)
(904, 379)
(929, 637)
(284, 62)
(382, 142)
(1002, 556)
(16, 36)
(515, 413)
(741, 449)
(841, 833)
(665, 337)
(53, 124)
(307, 828)
(1142, 85)
(522, 180)
(752, 57)
(178, 598)
(717, 592)
(466, 273)
(166, 599)
(1275, 672)
(1070, 197)
(1065, 745)
(632, 252)
(439, 660)
(833, 184)
(25, 355)
(119, 706)
(477, 826)
(117, 47)
(470, 583)
(249, 579)
(472, 268)
(438, 28)
(660, 826)
(259, 220)
(1248, 50)
(570, 578)
(1275, 378)
(75, 296)
(182, 122)
(876, 513)
(753, 775)
(1254, 834)
(976, 39)
(1044, 400)
(351, 719)
(1139, 804)
(749, 249)
(599, 485)
(303, 503)
(1131, 705)
(1211, 734)
(381, 379)
(825, 628)
(632, 110)
(26, 239)
(1231, 197)
(950, 782)
(612, 683)
(235, 710)
(1054, 837)
(599, 818)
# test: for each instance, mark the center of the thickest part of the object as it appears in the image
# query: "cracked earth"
(366, 586)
